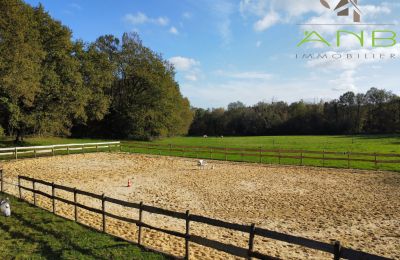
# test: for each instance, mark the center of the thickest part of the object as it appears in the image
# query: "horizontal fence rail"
(51, 150)
(375, 160)
(253, 232)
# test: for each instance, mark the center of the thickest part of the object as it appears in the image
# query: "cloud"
(223, 10)
(344, 82)
(187, 15)
(258, 44)
(183, 63)
(187, 66)
(266, 22)
(354, 59)
(289, 11)
(75, 6)
(246, 75)
(173, 30)
(141, 18)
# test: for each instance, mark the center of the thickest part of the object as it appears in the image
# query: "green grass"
(33, 233)
(363, 143)
(378, 143)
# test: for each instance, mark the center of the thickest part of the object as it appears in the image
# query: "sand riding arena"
(358, 208)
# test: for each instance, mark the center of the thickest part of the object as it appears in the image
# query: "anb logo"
(344, 8)
(377, 37)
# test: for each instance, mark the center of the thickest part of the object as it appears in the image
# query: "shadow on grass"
(37, 233)
(360, 137)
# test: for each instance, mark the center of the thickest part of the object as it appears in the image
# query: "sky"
(245, 50)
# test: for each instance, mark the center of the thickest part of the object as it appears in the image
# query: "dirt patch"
(358, 208)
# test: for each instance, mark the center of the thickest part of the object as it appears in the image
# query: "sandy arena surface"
(358, 208)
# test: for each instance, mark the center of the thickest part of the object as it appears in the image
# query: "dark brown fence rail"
(252, 231)
(259, 154)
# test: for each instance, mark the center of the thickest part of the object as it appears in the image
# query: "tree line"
(53, 85)
(375, 112)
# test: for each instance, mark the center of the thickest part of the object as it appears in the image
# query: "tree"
(146, 101)
(21, 55)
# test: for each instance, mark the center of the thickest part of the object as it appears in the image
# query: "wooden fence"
(51, 150)
(259, 154)
(253, 232)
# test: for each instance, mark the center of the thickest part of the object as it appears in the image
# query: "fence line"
(260, 154)
(252, 231)
(34, 151)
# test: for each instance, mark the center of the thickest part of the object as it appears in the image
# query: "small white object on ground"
(201, 164)
(5, 207)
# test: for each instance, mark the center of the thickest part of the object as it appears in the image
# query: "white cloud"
(173, 30)
(345, 81)
(358, 58)
(183, 63)
(191, 77)
(222, 10)
(187, 66)
(246, 75)
(76, 6)
(141, 18)
(187, 15)
(258, 44)
(266, 22)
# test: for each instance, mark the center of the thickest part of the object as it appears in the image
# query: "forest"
(375, 112)
(51, 84)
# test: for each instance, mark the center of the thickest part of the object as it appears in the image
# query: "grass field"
(343, 144)
(379, 144)
(33, 233)
(367, 143)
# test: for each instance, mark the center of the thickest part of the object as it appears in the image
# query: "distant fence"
(253, 232)
(259, 154)
(51, 150)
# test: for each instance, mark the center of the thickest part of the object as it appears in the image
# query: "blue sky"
(226, 50)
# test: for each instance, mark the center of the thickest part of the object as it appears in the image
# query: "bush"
(1, 131)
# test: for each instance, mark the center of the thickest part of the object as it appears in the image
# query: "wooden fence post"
(52, 150)
(337, 250)
(97, 148)
(348, 160)
(187, 235)
(19, 187)
(52, 197)
(16, 153)
(34, 192)
(75, 207)
(251, 240)
(68, 150)
(34, 152)
(301, 159)
(140, 223)
(103, 209)
(279, 156)
(1, 176)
